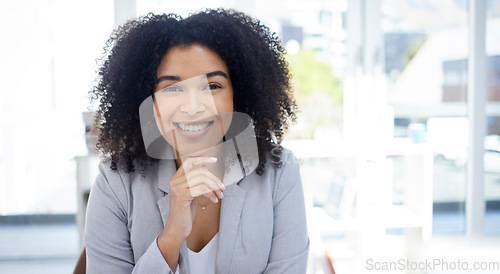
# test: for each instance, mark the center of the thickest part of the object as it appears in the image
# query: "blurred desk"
(377, 220)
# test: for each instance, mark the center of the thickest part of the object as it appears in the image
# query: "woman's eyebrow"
(168, 78)
(177, 78)
(217, 73)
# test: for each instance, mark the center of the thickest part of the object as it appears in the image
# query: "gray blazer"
(262, 223)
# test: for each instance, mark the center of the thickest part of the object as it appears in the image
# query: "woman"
(207, 85)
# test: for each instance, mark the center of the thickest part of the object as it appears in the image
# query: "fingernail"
(216, 200)
(221, 194)
(222, 186)
(213, 158)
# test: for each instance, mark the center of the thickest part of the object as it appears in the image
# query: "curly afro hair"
(253, 55)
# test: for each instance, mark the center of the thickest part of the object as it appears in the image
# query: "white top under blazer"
(204, 261)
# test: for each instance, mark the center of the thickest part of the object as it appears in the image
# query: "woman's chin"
(205, 150)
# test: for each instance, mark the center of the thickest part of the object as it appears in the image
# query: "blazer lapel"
(230, 217)
(166, 169)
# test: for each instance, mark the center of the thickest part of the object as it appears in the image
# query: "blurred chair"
(329, 264)
(81, 264)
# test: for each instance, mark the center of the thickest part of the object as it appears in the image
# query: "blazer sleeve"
(107, 238)
(290, 243)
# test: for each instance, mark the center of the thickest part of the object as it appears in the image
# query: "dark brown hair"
(253, 55)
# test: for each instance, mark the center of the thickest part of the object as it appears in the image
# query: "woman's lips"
(193, 129)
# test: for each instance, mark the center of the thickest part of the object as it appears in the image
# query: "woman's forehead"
(190, 61)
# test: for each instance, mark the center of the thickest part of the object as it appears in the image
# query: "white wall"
(48, 54)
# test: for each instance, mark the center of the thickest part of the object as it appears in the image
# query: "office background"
(398, 134)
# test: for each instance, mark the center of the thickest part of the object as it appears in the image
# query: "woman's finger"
(208, 174)
(205, 191)
(202, 180)
(189, 163)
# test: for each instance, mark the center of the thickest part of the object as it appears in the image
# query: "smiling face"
(193, 99)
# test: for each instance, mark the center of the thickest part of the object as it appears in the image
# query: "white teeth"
(193, 128)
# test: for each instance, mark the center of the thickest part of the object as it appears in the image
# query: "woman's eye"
(212, 87)
(171, 89)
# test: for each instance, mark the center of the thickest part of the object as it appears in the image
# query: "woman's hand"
(191, 180)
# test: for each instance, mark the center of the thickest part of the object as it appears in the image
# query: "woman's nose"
(192, 103)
